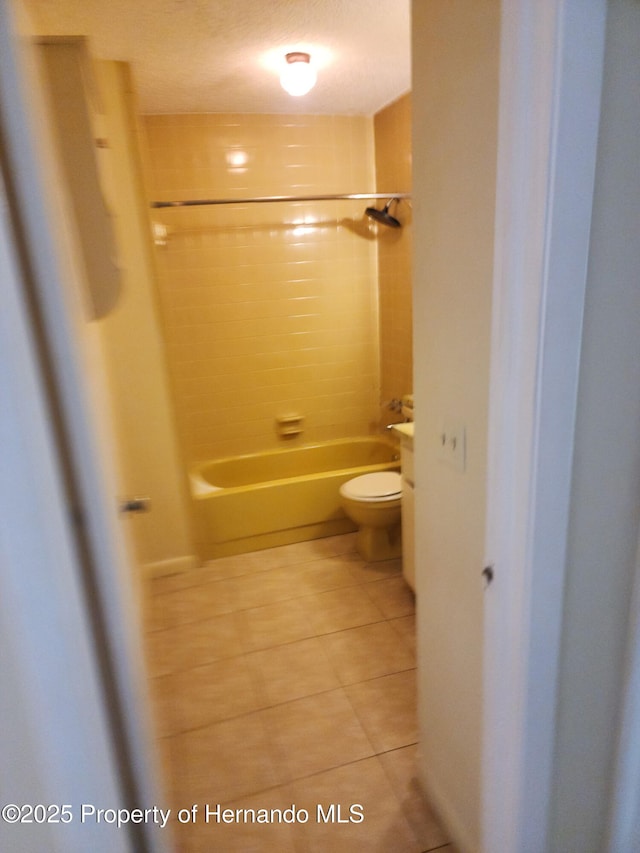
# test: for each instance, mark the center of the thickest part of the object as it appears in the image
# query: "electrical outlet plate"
(452, 442)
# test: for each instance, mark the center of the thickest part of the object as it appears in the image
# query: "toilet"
(373, 502)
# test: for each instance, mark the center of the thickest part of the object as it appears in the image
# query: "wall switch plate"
(452, 445)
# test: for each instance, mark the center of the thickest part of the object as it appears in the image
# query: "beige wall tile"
(392, 127)
(262, 259)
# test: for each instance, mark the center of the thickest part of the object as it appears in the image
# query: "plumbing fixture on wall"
(407, 407)
(402, 407)
(383, 215)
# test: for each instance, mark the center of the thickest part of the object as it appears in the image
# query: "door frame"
(551, 56)
(551, 75)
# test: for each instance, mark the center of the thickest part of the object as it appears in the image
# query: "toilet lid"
(374, 487)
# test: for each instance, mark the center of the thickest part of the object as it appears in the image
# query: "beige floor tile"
(384, 828)
(223, 568)
(339, 609)
(286, 555)
(393, 596)
(173, 786)
(158, 653)
(275, 624)
(165, 762)
(244, 835)
(401, 768)
(292, 671)
(183, 838)
(165, 711)
(172, 837)
(193, 644)
(367, 652)
(196, 603)
(319, 611)
(324, 574)
(316, 733)
(314, 549)
(180, 580)
(342, 544)
(405, 626)
(386, 707)
(240, 565)
(382, 570)
(154, 613)
(225, 761)
(213, 692)
(268, 587)
(197, 643)
(214, 570)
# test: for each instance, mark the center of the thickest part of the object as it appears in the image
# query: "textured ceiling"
(220, 55)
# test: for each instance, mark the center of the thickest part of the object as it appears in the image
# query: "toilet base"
(379, 543)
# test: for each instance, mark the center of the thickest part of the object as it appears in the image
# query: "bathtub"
(245, 503)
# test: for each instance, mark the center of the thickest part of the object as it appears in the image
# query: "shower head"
(383, 215)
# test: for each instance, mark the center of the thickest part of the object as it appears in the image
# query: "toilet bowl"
(373, 502)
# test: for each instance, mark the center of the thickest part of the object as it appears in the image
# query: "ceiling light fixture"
(298, 75)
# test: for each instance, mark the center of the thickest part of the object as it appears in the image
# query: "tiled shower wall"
(393, 172)
(271, 309)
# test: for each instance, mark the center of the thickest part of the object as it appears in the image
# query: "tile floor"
(287, 677)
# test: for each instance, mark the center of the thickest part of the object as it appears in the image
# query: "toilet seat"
(381, 486)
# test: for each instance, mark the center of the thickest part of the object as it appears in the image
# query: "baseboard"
(447, 814)
(174, 566)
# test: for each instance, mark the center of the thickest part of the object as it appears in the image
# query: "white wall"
(605, 509)
(455, 92)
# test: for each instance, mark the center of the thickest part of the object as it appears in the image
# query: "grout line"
(295, 565)
(298, 566)
(282, 645)
(272, 706)
(329, 769)
(355, 583)
(383, 617)
(278, 760)
(325, 556)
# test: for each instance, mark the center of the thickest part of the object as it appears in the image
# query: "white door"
(64, 629)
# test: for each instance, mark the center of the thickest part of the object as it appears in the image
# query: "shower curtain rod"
(271, 198)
